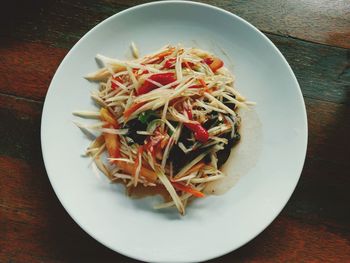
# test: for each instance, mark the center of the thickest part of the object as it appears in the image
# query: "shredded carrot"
(108, 117)
(202, 82)
(164, 53)
(196, 167)
(112, 144)
(132, 109)
(150, 175)
(187, 189)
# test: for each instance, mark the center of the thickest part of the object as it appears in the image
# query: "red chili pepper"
(161, 78)
(200, 133)
(189, 113)
(195, 86)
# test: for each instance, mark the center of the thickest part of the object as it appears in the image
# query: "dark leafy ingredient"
(147, 116)
(177, 156)
(133, 126)
(207, 159)
(225, 153)
(180, 159)
(228, 103)
(212, 121)
(185, 137)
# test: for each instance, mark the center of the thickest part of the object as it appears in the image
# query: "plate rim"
(180, 2)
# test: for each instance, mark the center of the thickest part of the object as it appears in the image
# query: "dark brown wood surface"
(314, 36)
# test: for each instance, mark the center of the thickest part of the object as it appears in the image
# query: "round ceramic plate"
(212, 226)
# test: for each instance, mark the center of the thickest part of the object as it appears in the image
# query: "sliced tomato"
(161, 78)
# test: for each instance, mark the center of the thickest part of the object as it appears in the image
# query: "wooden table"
(314, 36)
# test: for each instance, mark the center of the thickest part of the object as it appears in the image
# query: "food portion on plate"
(167, 120)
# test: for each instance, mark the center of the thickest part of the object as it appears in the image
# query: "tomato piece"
(214, 63)
(114, 85)
(161, 78)
(170, 63)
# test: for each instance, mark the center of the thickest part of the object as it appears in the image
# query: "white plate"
(212, 226)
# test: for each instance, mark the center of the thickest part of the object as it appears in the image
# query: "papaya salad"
(168, 119)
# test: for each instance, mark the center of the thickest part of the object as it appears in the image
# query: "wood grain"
(314, 224)
(322, 21)
(323, 72)
(20, 128)
(26, 69)
(314, 36)
(62, 23)
(35, 227)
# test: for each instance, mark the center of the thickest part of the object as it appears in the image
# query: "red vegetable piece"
(187, 189)
(208, 60)
(170, 63)
(216, 64)
(195, 86)
(161, 78)
(199, 132)
(112, 143)
(115, 85)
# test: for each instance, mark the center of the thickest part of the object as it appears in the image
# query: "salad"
(168, 120)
